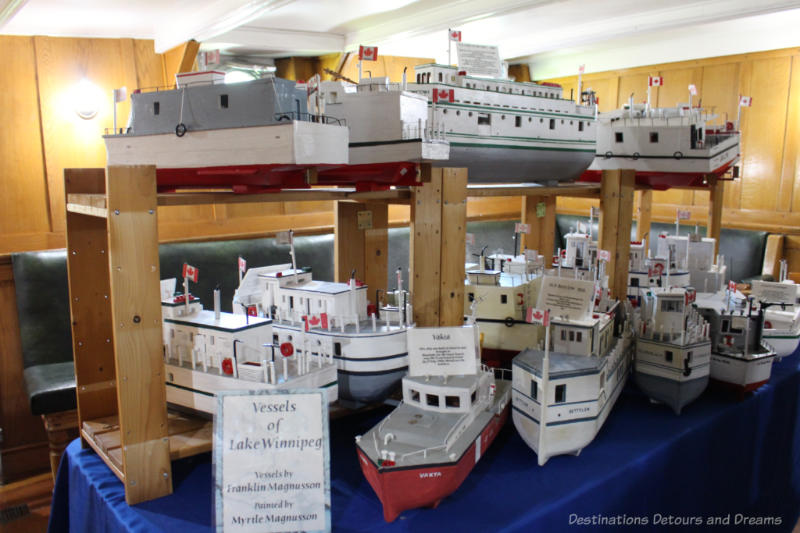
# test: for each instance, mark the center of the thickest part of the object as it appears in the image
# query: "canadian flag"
(693, 89)
(731, 285)
(323, 317)
(455, 35)
(368, 53)
(655, 81)
(537, 316)
(444, 95)
(252, 310)
(745, 101)
(242, 265)
(582, 69)
(190, 272)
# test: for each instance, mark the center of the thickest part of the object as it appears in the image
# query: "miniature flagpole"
(359, 70)
(186, 293)
(449, 48)
(217, 304)
(647, 107)
(291, 251)
(545, 381)
(677, 224)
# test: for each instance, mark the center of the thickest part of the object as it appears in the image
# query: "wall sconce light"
(86, 99)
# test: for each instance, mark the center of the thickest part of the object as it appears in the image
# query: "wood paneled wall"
(766, 196)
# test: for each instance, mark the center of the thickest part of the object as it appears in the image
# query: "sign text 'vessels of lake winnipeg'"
(442, 351)
(272, 462)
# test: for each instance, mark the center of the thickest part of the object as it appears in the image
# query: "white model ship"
(261, 127)
(503, 130)
(422, 451)
(387, 122)
(673, 347)
(782, 318)
(210, 351)
(740, 357)
(563, 394)
(667, 147)
(330, 319)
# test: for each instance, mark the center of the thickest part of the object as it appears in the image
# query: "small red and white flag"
(367, 53)
(732, 286)
(190, 272)
(252, 310)
(323, 320)
(537, 316)
(745, 101)
(581, 69)
(604, 255)
(242, 265)
(693, 89)
(455, 35)
(684, 214)
(522, 228)
(655, 81)
(444, 95)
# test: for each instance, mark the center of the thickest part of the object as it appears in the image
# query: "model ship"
(667, 147)
(424, 449)
(248, 136)
(782, 319)
(331, 320)
(503, 130)
(209, 351)
(740, 358)
(673, 347)
(562, 394)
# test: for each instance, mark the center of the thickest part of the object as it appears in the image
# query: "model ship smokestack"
(216, 303)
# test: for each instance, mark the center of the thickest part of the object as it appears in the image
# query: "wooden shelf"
(188, 435)
(591, 190)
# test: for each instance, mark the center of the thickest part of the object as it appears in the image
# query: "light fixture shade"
(86, 99)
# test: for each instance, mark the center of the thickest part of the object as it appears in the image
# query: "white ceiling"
(553, 36)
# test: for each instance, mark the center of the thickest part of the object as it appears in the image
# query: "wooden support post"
(616, 214)
(90, 302)
(364, 249)
(772, 256)
(137, 331)
(645, 215)
(543, 228)
(716, 191)
(437, 247)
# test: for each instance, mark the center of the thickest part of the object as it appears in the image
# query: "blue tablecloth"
(720, 458)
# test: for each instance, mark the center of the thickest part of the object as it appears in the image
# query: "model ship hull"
(570, 427)
(785, 343)
(370, 364)
(409, 487)
(744, 374)
(675, 386)
(196, 390)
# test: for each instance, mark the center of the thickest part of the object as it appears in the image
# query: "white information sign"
(479, 60)
(442, 351)
(773, 292)
(272, 461)
(565, 297)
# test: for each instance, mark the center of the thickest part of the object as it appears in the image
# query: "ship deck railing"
(285, 116)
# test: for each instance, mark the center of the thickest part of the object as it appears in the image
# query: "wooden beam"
(616, 213)
(590, 190)
(137, 340)
(363, 249)
(453, 247)
(645, 214)
(716, 191)
(179, 59)
(772, 256)
(425, 248)
(543, 228)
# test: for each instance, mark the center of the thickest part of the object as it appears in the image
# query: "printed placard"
(774, 292)
(541, 210)
(603, 255)
(479, 60)
(442, 351)
(566, 297)
(519, 227)
(272, 461)
(684, 214)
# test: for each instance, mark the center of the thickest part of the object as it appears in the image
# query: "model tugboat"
(740, 358)
(673, 347)
(247, 136)
(333, 320)
(210, 351)
(422, 452)
(577, 379)
(667, 147)
(782, 319)
(503, 130)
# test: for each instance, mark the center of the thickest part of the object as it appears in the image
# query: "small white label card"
(272, 461)
(774, 292)
(566, 297)
(442, 351)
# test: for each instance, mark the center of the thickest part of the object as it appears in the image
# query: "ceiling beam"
(275, 40)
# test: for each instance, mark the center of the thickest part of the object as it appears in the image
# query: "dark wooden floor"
(25, 505)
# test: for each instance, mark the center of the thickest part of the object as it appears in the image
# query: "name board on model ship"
(503, 130)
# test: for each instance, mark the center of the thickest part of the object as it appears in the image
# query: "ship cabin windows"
(518, 122)
(414, 395)
(552, 123)
(484, 119)
(223, 101)
(618, 136)
(671, 306)
(440, 77)
(471, 296)
(668, 356)
(561, 393)
(474, 396)
(580, 125)
(337, 348)
(534, 390)
(653, 136)
(432, 400)
(291, 302)
(156, 108)
(275, 339)
(452, 401)
(503, 298)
